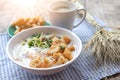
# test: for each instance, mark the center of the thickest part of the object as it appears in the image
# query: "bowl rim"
(50, 68)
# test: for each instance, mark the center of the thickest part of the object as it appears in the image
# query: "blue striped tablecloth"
(81, 69)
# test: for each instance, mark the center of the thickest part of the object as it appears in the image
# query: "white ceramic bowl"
(49, 29)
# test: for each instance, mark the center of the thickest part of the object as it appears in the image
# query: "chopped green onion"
(23, 43)
(59, 37)
(30, 43)
(35, 41)
(36, 35)
(62, 47)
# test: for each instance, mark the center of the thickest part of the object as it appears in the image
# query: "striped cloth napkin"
(81, 69)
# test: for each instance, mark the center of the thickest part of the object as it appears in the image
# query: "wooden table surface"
(107, 10)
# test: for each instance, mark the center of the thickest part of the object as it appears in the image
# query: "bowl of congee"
(44, 50)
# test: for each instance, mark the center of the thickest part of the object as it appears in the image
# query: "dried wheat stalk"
(105, 45)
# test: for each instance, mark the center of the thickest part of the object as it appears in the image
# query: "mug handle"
(83, 17)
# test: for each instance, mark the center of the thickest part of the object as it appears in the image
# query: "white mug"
(63, 14)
